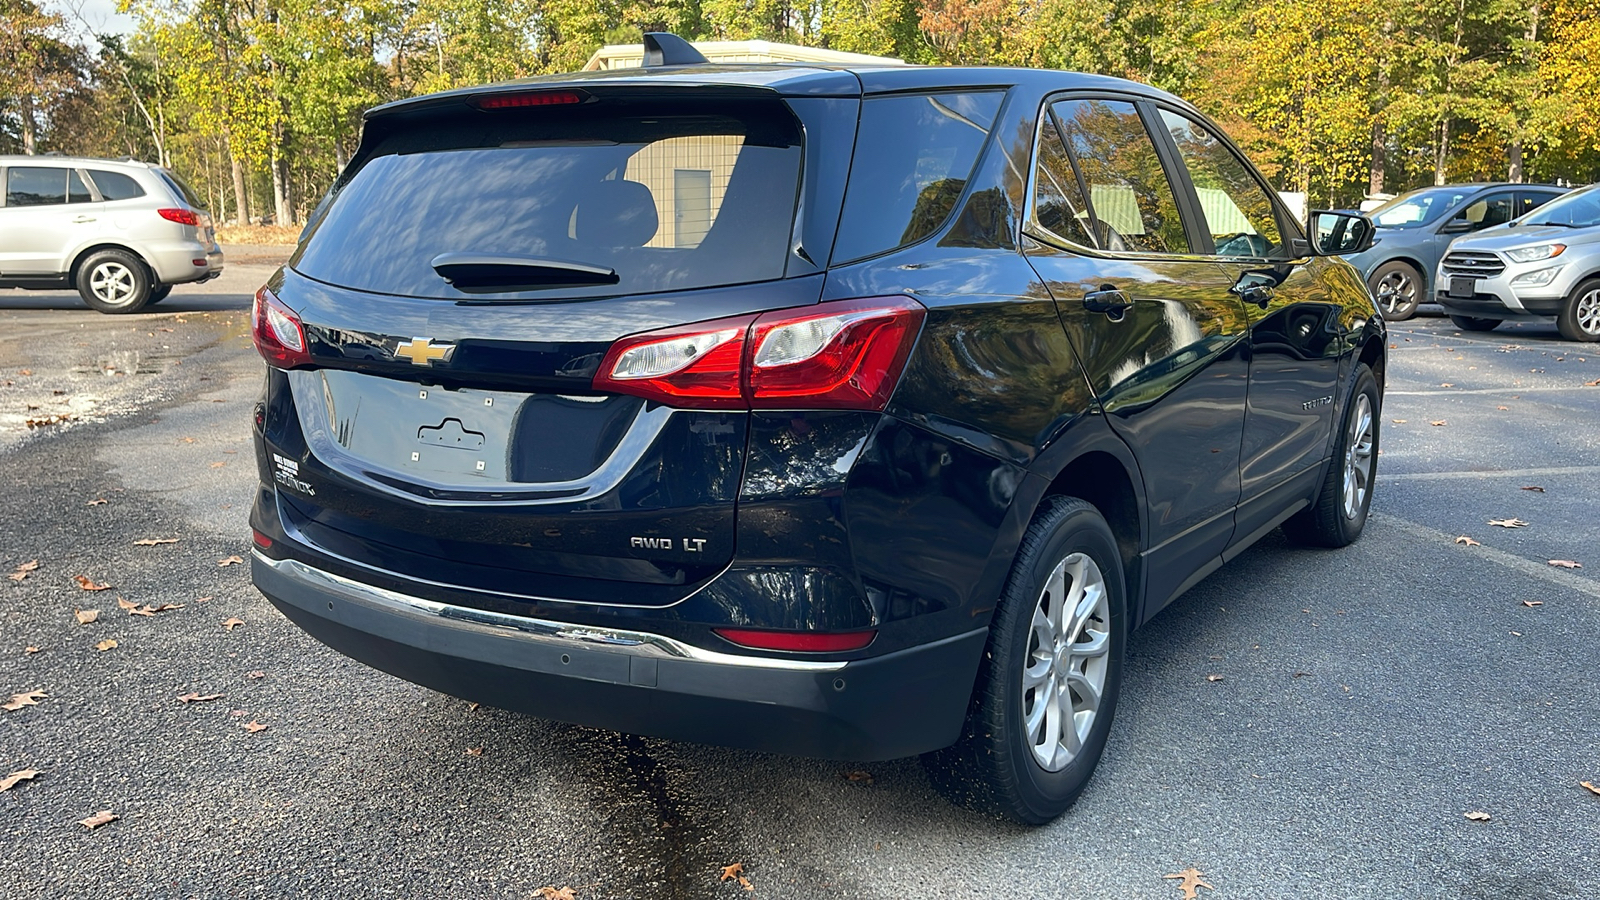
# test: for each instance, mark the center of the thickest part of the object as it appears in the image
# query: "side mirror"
(1455, 226)
(1337, 234)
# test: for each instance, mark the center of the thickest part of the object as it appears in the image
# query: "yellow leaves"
(102, 817)
(1190, 881)
(21, 571)
(26, 698)
(15, 778)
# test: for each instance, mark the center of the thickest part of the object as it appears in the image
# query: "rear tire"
(1397, 289)
(1579, 319)
(159, 293)
(1058, 635)
(114, 281)
(1470, 323)
(1339, 513)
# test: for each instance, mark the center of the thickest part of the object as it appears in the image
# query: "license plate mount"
(1462, 288)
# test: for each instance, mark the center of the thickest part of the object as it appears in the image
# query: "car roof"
(800, 79)
(50, 159)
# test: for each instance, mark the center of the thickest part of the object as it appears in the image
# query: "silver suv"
(1545, 264)
(121, 232)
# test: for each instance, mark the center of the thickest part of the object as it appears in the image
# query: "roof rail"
(663, 48)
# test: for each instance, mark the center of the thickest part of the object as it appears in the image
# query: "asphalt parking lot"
(1368, 698)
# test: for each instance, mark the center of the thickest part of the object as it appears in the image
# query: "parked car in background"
(1415, 228)
(843, 412)
(1544, 264)
(120, 232)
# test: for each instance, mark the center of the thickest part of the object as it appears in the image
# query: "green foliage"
(1450, 89)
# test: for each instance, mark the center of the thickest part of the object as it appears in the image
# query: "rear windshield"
(182, 187)
(669, 195)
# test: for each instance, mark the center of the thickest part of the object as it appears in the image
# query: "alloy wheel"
(1397, 291)
(1586, 311)
(1358, 458)
(113, 283)
(1068, 656)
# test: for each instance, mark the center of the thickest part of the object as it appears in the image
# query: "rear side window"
(182, 188)
(115, 185)
(914, 154)
(1132, 200)
(691, 194)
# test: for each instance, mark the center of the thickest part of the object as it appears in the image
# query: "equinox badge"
(423, 351)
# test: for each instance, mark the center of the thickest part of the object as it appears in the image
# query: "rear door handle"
(82, 219)
(1259, 294)
(1107, 300)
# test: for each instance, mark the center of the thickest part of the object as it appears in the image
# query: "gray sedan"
(1415, 228)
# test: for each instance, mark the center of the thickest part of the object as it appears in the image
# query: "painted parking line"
(1542, 571)
(1493, 473)
(1522, 390)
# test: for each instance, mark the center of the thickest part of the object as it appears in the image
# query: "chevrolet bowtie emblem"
(423, 351)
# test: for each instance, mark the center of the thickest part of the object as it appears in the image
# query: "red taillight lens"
(181, 216)
(280, 337)
(846, 354)
(798, 641)
(260, 539)
(534, 98)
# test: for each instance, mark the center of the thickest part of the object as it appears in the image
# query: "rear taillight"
(280, 338)
(181, 216)
(526, 99)
(260, 539)
(846, 354)
(798, 641)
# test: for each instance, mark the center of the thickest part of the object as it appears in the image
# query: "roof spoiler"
(663, 48)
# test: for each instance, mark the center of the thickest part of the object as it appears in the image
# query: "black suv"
(839, 412)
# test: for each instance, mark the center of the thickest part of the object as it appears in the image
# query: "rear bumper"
(174, 262)
(886, 707)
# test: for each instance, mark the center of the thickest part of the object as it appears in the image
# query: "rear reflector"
(535, 98)
(280, 337)
(799, 641)
(181, 216)
(846, 354)
(260, 539)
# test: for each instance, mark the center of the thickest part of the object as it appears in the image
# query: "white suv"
(122, 233)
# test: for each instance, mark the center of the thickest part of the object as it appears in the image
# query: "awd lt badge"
(423, 351)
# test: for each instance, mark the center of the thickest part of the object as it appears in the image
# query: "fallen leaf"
(98, 501)
(1592, 787)
(1509, 523)
(1213, 677)
(859, 776)
(232, 623)
(1534, 487)
(107, 644)
(253, 726)
(202, 599)
(24, 371)
(256, 675)
(1502, 407)
(1439, 422)
(10, 781)
(1532, 603)
(148, 610)
(1594, 383)
(85, 616)
(18, 701)
(188, 440)
(1301, 674)
(745, 883)
(30, 650)
(1399, 421)
(1463, 539)
(230, 561)
(1190, 882)
(550, 893)
(474, 751)
(21, 572)
(86, 583)
(472, 707)
(1566, 564)
(1447, 384)
(151, 542)
(98, 819)
(1477, 816)
(733, 871)
(126, 604)
(198, 698)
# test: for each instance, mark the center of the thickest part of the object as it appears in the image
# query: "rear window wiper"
(488, 273)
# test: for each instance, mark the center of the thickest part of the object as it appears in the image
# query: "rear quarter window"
(115, 185)
(913, 156)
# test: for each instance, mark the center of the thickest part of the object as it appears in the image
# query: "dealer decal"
(286, 472)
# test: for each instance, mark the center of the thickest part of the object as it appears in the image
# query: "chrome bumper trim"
(541, 631)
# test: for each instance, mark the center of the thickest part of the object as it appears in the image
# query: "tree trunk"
(1514, 160)
(30, 135)
(341, 157)
(1379, 157)
(1443, 154)
(240, 203)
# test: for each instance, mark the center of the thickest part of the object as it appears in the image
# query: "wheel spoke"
(1098, 643)
(1071, 740)
(1038, 673)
